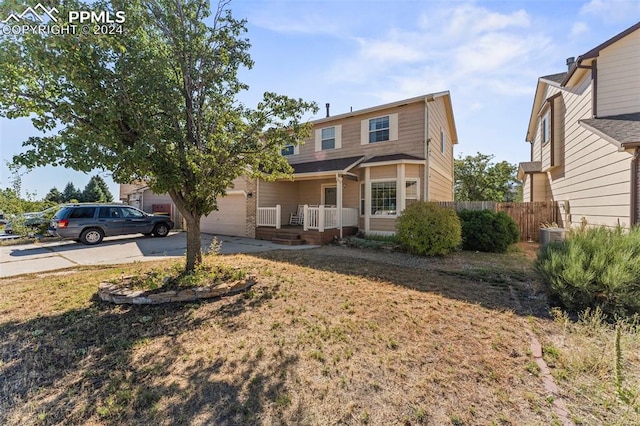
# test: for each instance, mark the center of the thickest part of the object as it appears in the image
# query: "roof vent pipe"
(327, 106)
(571, 62)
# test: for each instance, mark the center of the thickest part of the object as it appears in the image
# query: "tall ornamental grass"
(595, 267)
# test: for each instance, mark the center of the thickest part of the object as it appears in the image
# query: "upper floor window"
(288, 150)
(379, 129)
(545, 128)
(329, 138)
(443, 142)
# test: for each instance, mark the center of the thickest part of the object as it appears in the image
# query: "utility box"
(550, 235)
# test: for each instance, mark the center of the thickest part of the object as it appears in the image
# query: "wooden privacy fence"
(528, 216)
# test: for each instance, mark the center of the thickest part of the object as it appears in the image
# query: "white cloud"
(469, 19)
(612, 10)
(578, 29)
(465, 49)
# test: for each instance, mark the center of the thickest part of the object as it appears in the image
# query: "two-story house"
(584, 132)
(357, 171)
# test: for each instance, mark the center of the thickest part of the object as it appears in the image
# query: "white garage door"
(229, 219)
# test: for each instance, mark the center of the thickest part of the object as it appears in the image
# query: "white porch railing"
(269, 216)
(322, 217)
(316, 217)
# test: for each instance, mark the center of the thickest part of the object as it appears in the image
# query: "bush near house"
(595, 267)
(428, 229)
(484, 230)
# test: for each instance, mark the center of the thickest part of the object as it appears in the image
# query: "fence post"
(278, 216)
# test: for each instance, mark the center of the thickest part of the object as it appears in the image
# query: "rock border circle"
(114, 293)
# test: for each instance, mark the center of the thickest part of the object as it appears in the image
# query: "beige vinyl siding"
(414, 171)
(384, 172)
(383, 225)
(410, 136)
(441, 173)
(541, 191)
(619, 77)
(284, 193)
(526, 188)
(595, 176)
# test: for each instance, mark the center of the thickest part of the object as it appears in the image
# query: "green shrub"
(484, 230)
(428, 229)
(596, 267)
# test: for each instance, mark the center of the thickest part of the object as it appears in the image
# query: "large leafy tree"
(477, 178)
(157, 103)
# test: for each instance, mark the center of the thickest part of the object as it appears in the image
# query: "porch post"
(367, 199)
(305, 218)
(339, 202)
(278, 216)
(321, 218)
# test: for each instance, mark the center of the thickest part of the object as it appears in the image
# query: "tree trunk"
(194, 242)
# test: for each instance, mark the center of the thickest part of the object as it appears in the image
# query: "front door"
(330, 196)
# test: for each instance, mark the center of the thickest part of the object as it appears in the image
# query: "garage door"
(229, 219)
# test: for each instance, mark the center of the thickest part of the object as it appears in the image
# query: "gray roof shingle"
(391, 157)
(531, 167)
(336, 165)
(556, 78)
(624, 128)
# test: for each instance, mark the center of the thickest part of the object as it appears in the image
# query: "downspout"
(635, 188)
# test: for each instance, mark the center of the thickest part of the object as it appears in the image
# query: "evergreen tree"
(70, 193)
(94, 191)
(54, 195)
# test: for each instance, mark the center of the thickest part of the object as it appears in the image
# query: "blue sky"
(358, 53)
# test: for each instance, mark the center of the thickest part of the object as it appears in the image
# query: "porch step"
(288, 240)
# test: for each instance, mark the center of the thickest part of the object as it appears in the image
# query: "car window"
(131, 213)
(109, 212)
(82, 213)
(61, 213)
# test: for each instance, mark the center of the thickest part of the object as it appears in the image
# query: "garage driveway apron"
(41, 257)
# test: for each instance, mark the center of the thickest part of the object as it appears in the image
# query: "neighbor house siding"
(595, 176)
(441, 164)
(619, 77)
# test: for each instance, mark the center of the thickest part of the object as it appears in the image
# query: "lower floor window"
(383, 198)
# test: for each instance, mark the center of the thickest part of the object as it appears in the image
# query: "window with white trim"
(443, 142)
(379, 129)
(288, 150)
(410, 192)
(328, 138)
(545, 128)
(383, 198)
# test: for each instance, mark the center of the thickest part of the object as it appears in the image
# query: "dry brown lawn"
(333, 335)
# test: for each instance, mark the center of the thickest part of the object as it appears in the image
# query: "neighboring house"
(584, 132)
(368, 165)
(140, 196)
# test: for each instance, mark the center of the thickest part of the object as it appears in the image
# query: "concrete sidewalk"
(40, 257)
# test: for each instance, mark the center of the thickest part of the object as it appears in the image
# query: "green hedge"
(428, 229)
(484, 230)
(596, 267)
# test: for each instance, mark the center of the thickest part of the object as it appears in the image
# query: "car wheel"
(91, 236)
(161, 230)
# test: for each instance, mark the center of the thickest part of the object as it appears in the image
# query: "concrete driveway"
(28, 258)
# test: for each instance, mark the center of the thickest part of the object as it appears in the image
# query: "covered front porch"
(318, 205)
(313, 224)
